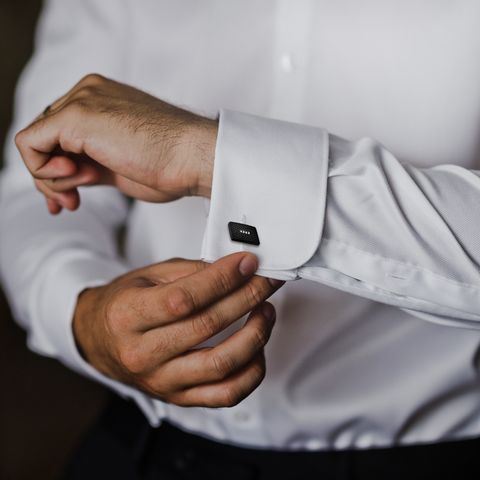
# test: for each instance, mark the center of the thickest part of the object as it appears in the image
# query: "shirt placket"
(292, 28)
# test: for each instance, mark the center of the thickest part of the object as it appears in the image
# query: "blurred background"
(44, 408)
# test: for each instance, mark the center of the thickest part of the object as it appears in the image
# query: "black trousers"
(122, 446)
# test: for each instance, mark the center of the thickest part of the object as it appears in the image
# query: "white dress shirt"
(352, 363)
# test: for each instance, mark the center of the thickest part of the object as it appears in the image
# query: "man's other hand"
(105, 132)
(143, 329)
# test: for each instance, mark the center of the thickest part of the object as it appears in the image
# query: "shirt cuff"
(271, 175)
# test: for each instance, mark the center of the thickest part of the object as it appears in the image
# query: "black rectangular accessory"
(239, 232)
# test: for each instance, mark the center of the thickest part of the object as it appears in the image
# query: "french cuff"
(271, 175)
(80, 271)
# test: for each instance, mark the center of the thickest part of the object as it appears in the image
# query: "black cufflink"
(239, 232)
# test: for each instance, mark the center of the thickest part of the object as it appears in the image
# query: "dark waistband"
(168, 452)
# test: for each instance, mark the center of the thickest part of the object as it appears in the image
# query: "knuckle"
(78, 104)
(179, 302)
(259, 368)
(18, 139)
(221, 282)
(255, 293)
(230, 396)
(80, 99)
(174, 260)
(206, 323)
(112, 313)
(200, 265)
(156, 387)
(132, 360)
(259, 335)
(116, 317)
(92, 79)
(220, 366)
(178, 398)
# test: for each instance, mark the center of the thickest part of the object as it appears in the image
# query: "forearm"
(401, 235)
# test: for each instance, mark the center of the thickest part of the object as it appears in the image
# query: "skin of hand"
(105, 132)
(143, 329)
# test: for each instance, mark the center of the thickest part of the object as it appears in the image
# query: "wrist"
(202, 155)
(83, 327)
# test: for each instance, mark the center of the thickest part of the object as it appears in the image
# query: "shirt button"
(286, 62)
(241, 416)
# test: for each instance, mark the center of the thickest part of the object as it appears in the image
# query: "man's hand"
(105, 132)
(143, 327)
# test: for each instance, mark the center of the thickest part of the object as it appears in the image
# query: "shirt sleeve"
(46, 261)
(348, 215)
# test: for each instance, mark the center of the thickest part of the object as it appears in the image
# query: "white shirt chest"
(403, 72)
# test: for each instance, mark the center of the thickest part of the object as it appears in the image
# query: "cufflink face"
(239, 232)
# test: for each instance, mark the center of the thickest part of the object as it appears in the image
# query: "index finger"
(36, 144)
(167, 303)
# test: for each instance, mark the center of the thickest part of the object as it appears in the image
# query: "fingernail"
(275, 283)
(247, 266)
(269, 313)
